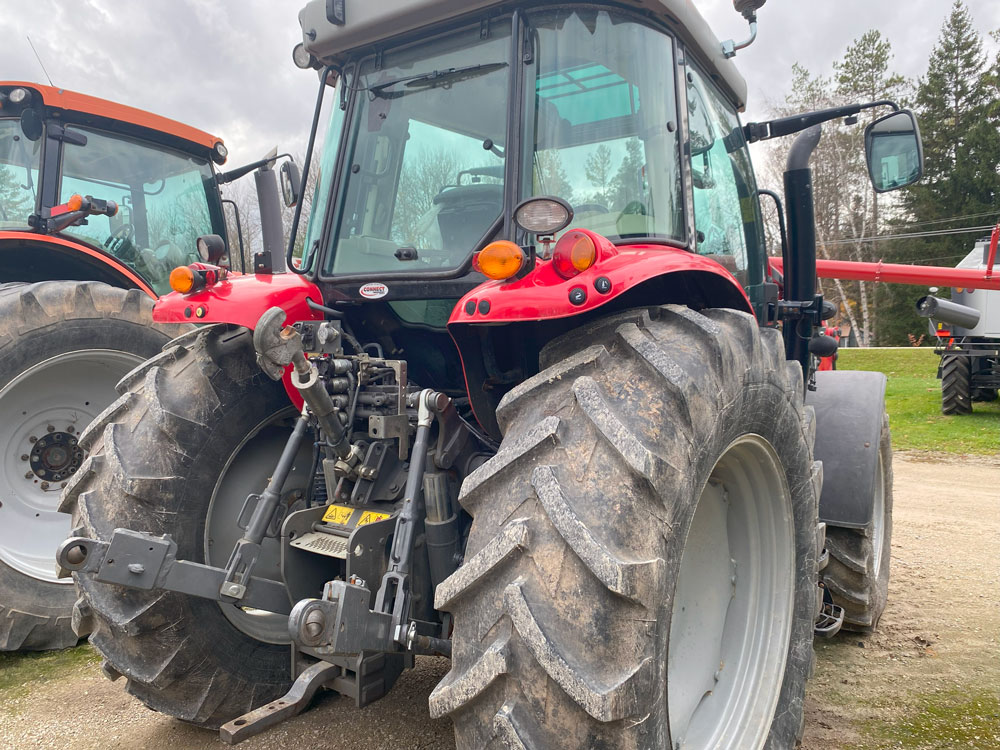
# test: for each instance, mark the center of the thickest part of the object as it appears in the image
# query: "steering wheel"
(590, 208)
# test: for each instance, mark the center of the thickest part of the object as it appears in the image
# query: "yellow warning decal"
(341, 515)
(338, 514)
(370, 516)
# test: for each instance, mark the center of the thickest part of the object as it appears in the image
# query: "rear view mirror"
(291, 183)
(31, 124)
(894, 151)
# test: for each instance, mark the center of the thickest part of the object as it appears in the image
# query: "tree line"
(957, 103)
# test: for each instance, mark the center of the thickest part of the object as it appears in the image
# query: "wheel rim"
(42, 412)
(878, 516)
(247, 471)
(733, 604)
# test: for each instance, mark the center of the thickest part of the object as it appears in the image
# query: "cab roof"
(71, 101)
(366, 24)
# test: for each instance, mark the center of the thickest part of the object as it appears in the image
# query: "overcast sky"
(225, 66)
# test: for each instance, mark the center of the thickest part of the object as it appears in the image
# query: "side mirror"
(291, 183)
(31, 124)
(894, 151)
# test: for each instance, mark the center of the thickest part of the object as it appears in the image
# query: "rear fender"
(500, 326)
(849, 408)
(241, 300)
(28, 256)
(542, 294)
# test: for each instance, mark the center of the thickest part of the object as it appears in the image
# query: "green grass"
(940, 720)
(18, 671)
(913, 399)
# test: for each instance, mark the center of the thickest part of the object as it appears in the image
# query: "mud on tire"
(46, 373)
(563, 605)
(156, 457)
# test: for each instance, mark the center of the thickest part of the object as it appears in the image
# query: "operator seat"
(465, 212)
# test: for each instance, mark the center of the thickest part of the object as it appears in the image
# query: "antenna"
(39, 60)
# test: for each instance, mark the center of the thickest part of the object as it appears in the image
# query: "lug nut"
(50, 428)
(24, 456)
(28, 475)
(32, 439)
(45, 485)
(71, 429)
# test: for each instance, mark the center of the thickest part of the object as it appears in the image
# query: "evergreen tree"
(958, 123)
(597, 167)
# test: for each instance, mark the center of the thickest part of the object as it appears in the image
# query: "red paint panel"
(241, 300)
(76, 247)
(897, 273)
(545, 295)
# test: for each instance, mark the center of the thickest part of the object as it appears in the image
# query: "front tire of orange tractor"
(642, 566)
(63, 346)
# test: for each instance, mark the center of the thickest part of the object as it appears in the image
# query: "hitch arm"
(144, 561)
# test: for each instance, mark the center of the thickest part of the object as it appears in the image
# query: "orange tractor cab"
(98, 202)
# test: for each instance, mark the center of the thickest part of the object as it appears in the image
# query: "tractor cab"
(437, 136)
(152, 182)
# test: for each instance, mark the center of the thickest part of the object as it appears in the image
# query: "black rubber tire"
(627, 430)
(956, 392)
(39, 321)
(851, 574)
(156, 454)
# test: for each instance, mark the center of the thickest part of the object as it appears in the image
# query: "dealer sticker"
(373, 290)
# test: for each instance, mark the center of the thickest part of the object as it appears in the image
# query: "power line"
(933, 233)
(947, 221)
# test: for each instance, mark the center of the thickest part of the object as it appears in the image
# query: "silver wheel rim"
(42, 412)
(247, 471)
(733, 604)
(878, 516)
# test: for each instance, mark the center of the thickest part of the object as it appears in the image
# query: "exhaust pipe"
(947, 311)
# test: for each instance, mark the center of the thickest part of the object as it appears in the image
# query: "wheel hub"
(55, 456)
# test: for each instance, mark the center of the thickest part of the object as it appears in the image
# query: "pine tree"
(958, 123)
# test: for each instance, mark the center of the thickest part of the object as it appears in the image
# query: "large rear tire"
(63, 346)
(196, 430)
(858, 573)
(641, 570)
(956, 391)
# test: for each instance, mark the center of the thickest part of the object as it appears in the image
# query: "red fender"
(241, 300)
(543, 294)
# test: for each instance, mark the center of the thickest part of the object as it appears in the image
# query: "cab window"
(726, 211)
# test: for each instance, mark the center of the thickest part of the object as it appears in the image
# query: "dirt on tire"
(928, 679)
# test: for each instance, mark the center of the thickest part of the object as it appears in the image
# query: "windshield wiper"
(434, 79)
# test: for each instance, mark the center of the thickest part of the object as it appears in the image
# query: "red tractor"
(531, 399)
(98, 203)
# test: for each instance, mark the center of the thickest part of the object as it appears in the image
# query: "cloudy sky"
(225, 65)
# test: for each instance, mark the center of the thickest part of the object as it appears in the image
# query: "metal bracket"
(144, 561)
(294, 702)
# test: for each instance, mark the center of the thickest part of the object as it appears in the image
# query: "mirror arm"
(235, 174)
(762, 131)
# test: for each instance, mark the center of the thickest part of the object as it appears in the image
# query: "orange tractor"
(98, 202)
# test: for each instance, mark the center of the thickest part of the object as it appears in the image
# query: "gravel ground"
(929, 679)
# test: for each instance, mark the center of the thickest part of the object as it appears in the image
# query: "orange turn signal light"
(75, 202)
(182, 279)
(574, 253)
(499, 260)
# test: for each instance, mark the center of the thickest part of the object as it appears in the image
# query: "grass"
(18, 671)
(913, 399)
(941, 720)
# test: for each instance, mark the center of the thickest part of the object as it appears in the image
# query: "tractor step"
(830, 619)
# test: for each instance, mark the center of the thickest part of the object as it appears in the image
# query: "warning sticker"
(370, 516)
(341, 515)
(338, 514)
